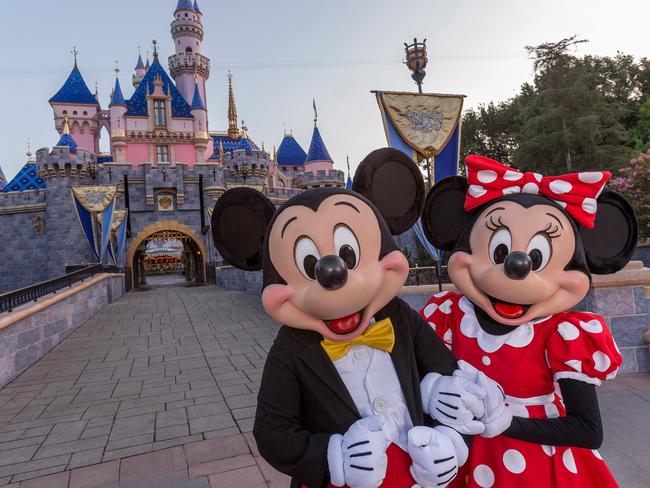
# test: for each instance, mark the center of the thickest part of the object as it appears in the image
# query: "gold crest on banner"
(95, 198)
(425, 121)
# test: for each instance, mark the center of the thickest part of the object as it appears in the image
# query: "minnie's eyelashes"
(492, 225)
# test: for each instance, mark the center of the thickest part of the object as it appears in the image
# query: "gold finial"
(117, 69)
(233, 130)
(66, 126)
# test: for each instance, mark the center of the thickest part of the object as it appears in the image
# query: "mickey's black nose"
(331, 272)
(517, 265)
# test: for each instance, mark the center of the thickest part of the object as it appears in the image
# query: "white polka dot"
(512, 175)
(551, 411)
(441, 294)
(548, 450)
(601, 361)
(476, 191)
(514, 461)
(532, 188)
(569, 462)
(538, 177)
(486, 176)
(574, 364)
(430, 309)
(597, 454)
(589, 205)
(483, 476)
(612, 375)
(568, 331)
(447, 336)
(511, 190)
(486, 360)
(594, 326)
(445, 307)
(590, 176)
(560, 187)
(432, 325)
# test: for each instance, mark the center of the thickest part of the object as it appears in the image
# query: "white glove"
(497, 417)
(358, 458)
(436, 454)
(453, 401)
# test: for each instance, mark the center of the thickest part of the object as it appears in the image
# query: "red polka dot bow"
(576, 193)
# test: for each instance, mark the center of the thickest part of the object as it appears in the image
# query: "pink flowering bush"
(633, 181)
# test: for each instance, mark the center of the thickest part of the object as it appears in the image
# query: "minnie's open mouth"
(508, 310)
(344, 325)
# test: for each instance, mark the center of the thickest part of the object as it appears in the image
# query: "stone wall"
(642, 253)
(236, 279)
(31, 331)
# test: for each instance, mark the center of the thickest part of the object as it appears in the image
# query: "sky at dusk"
(283, 53)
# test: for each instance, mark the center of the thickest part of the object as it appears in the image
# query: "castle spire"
(233, 130)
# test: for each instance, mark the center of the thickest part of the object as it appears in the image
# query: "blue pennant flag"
(107, 222)
(89, 226)
(121, 238)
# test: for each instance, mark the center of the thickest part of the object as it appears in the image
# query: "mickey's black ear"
(610, 244)
(393, 183)
(239, 223)
(444, 217)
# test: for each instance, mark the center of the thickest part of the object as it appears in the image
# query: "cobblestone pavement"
(158, 390)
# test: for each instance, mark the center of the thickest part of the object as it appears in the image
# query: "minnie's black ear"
(610, 244)
(393, 183)
(239, 223)
(444, 217)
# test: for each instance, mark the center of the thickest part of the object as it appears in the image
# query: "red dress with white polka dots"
(527, 363)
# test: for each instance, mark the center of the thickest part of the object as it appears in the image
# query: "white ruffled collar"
(520, 336)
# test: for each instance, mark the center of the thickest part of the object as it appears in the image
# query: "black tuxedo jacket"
(303, 401)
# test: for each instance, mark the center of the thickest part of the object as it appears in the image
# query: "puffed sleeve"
(582, 348)
(439, 312)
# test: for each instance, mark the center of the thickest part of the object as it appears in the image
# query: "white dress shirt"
(370, 377)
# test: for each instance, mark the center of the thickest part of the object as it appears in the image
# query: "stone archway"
(169, 226)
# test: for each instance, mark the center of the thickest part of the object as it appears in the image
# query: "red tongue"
(344, 325)
(509, 310)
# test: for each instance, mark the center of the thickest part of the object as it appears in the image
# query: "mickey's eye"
(346, 246)
(539, 250)
(306, 256)
(500, 246)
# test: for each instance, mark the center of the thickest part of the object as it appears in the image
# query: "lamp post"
(416, 60)
(91, 168)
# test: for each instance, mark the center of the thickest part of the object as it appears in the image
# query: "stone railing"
(32, 330)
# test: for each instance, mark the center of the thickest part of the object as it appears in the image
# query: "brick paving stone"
(86, 458)
(97, 475)
(151, 465)
(250, 477)
(59, 480)
(273, 478)
(221, 465)
(166, 433)
(211, 450)
(213, 422)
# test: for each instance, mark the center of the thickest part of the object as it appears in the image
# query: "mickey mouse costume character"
(339, 402)
(522, 250)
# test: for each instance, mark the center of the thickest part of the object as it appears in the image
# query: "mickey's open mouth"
(508, 310)
(344, 325)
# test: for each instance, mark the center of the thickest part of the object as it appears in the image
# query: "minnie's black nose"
(517, 265)
(331, 272)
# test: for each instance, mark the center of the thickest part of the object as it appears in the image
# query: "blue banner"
(446, 163)
(107, 222)
(88, 225)
(121, 238)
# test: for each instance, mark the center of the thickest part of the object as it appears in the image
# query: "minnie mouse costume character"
(523, 248)
(339, 402)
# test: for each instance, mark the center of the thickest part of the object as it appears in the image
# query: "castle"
(169, 166)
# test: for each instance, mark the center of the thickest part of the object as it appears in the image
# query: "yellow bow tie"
(380, 335)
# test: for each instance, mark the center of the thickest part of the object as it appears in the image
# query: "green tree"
(633, 181)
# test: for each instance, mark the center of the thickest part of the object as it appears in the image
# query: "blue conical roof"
(185, 5)
(148, 65)
(290, 151)
(26, 179)
(118, 96)
(67, 140)
(74, 90)
(196, 7)
(317, 149)
(137, 104)
(197, 101)
(140, 64)
(245, 144)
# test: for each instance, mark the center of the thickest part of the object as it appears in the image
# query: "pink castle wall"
(184, 153)
(137, 153)
(319, 166)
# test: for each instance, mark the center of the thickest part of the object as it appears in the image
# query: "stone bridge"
(159, 390)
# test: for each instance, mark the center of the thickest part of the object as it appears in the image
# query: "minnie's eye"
(539, 250)
(346, 246)
(306, 256)
(500, 246)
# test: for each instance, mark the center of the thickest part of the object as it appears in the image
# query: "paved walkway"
(158, 390)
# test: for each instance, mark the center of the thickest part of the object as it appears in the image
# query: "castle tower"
(318, 157)
(75, 102)
(140, 71)
(233, 129)
(187, 32)
(117, 110)
(200, 114)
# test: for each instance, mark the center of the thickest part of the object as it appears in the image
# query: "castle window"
(65, 112)
(74, 113)
(85, 113)
(162, 154)
(188, 50)
(160, 114)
